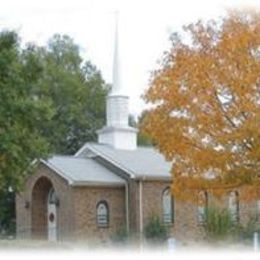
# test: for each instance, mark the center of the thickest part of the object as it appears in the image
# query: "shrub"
(219, 224)
(155, 231)
(245, 233)
(121, 236)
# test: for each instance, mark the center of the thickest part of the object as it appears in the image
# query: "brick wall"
(29, 220)
(185, 214)
(152, 202)
(186, 224)
(85, 205)
(76, 214)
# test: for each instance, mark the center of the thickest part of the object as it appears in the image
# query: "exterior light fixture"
(27, 204)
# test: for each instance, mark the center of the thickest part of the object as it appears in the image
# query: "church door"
(52, 216)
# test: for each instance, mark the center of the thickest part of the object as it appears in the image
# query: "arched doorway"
(44, 211)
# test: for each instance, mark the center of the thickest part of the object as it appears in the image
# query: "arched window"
(52, 196)
(168, 206)
(258, 210)
(102, 214)
(233, 205)
(202, 206)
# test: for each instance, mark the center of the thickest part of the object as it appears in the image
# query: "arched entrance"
(44, 210)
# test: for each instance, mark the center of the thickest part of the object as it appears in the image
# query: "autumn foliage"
(206, 105)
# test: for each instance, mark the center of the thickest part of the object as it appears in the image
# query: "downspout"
(141, 209)
(127, 206)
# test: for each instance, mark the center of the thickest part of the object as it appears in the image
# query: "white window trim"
(168, 214)
(102, 219)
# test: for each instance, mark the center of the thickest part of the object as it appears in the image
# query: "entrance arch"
(44, 211)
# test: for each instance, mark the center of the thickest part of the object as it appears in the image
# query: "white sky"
(145, 26)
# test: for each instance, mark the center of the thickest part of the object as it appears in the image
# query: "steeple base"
(120, 138)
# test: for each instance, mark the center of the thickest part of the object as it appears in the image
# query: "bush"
(121, 236)
(219, 224)
(245, 233)
(7, 214)
(155, 231)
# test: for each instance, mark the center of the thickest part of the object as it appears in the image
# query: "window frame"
(52, 198)
(201, 217)
(100, 224)
(257, 207)
(234, 216)
(172, 213)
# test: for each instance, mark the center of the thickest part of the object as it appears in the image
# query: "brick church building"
(109, 186)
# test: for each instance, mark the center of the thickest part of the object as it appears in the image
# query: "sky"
(144, 26)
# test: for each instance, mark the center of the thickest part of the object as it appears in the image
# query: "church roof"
(83, 171)
(143, 162)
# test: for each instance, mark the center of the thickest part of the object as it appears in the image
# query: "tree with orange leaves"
(206, 105)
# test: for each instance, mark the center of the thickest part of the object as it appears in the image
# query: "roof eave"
(52, 167)
(153, 178)
(97, 184)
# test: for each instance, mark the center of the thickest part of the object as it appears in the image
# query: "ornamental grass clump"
(155, 231)
(219, 224)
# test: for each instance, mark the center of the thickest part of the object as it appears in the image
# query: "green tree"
(51, 102)
(7, 212)
(21, 116)
(142, 138)
(77, 92)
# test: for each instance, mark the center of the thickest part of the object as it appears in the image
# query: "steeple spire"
(117, 84)
(117, 132)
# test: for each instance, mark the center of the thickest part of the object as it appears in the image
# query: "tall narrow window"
(202, 206)
(51, 196)
(258, 210)
(168, 206)
(233, 205)
(102, 214)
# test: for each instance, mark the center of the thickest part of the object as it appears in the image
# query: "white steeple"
(117, 132)
(117, 84)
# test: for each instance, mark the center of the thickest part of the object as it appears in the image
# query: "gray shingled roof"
(143, 162)
(79, 171)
